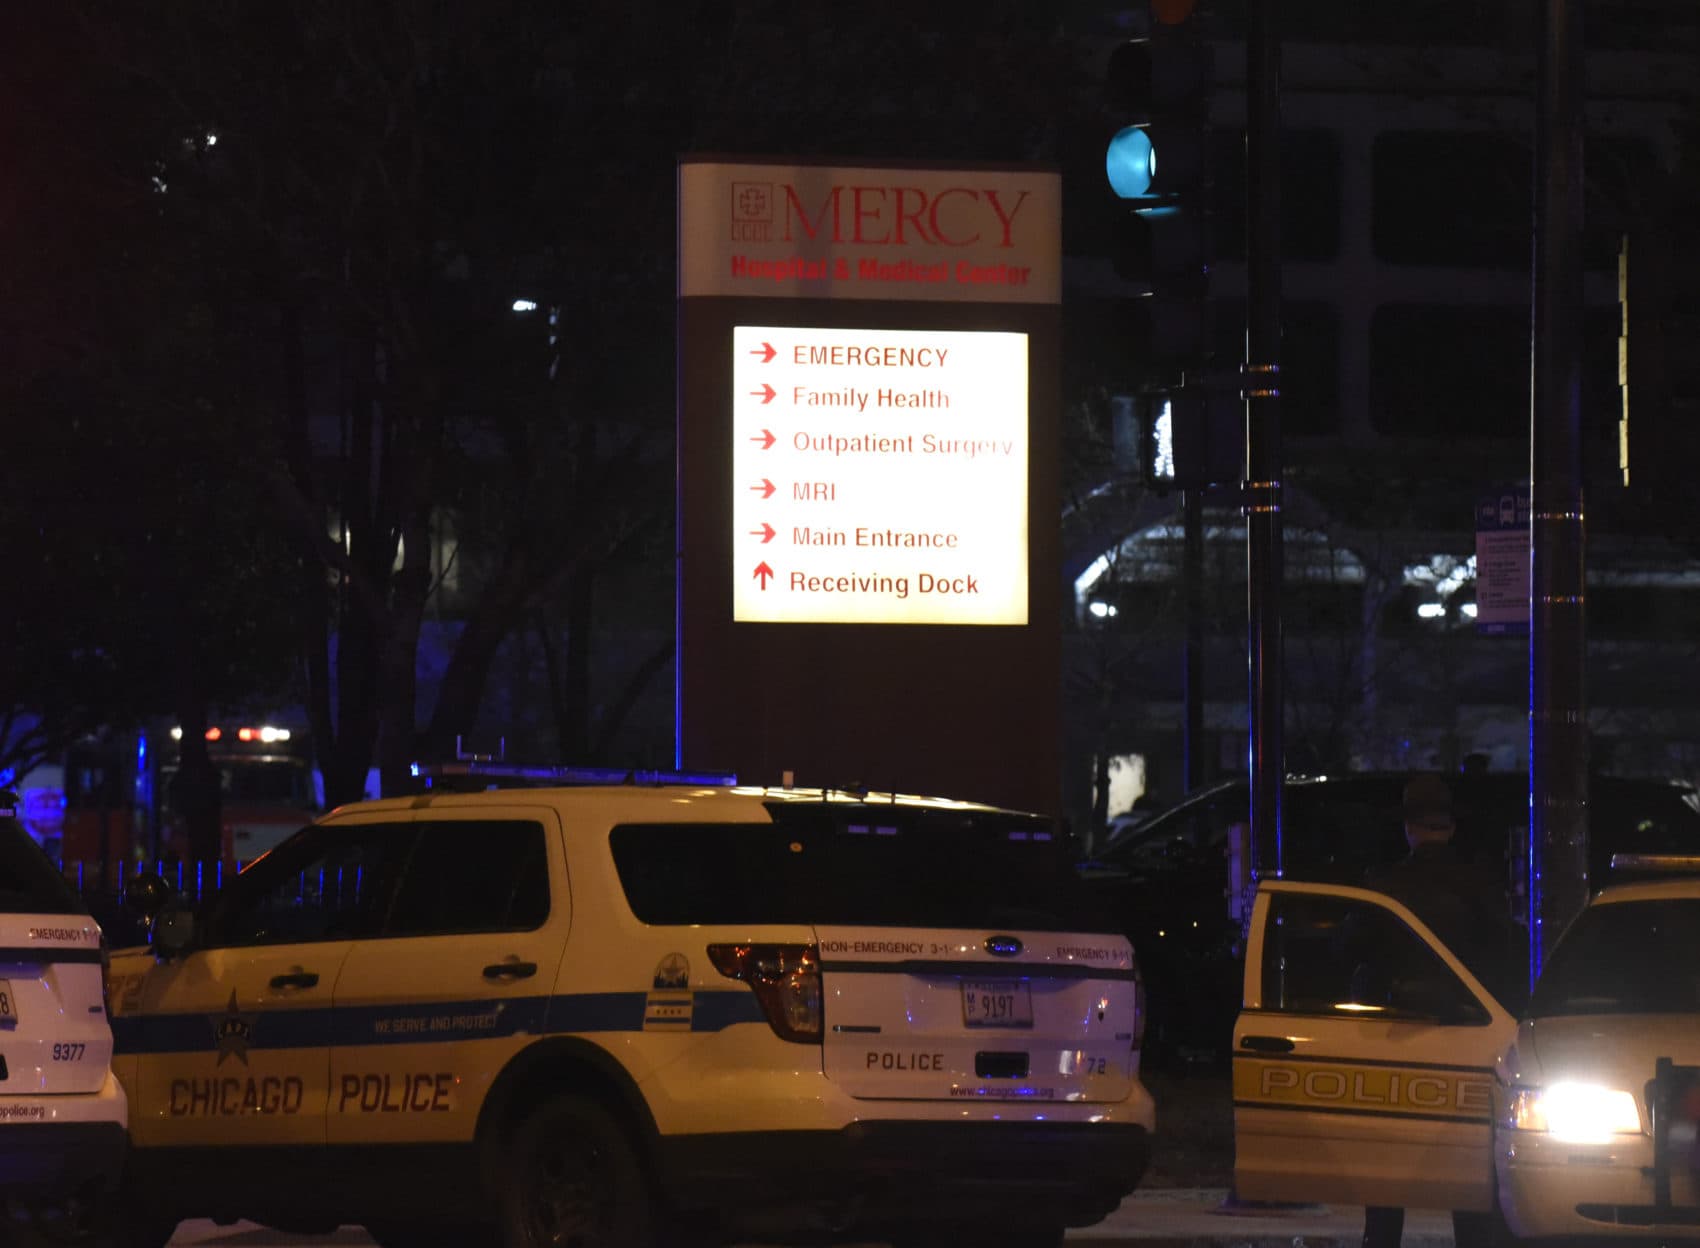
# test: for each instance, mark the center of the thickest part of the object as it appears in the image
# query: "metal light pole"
(1192, 664)
(1558, 712)
(1263, 434)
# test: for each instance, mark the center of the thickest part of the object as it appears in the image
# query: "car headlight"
(1577, 1113)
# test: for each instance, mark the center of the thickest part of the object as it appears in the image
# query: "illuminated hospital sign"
(816, 232)
(869, 548)
(879, 476)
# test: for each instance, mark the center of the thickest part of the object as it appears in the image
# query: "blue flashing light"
(413, 770)
(141, 751)
(1130, 163)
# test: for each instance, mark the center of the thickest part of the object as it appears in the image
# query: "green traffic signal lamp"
(1155, 160)
(1130, 162)
(1157, 92)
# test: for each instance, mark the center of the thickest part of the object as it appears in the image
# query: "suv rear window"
(29, 882)
(870, 865)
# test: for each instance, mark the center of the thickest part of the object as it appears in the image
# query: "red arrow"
(765, 394)
(765, 532)
(763, 572)
(766, 438)
(765, 488)
(766, 352)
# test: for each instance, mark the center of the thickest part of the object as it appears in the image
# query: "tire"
(1480, 1230)
(143, 1232)
(574, 1180)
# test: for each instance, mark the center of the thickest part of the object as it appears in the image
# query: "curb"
(1208, 1216)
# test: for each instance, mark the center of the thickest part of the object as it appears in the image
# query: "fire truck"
(118, 794)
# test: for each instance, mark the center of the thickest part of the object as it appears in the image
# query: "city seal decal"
(668, 1004)
(673, 971)
(234, 1031)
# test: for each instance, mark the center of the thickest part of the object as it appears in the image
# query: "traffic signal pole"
(1262, 486)
(1192, 665)
(1558, 712)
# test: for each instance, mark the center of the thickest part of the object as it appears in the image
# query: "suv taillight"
(786, 980)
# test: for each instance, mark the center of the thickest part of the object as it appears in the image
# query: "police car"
(62, 1114)
(641, 1013)
(1601, 1092)
(1364, 1058)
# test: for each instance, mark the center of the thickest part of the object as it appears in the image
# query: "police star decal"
(234, 1031)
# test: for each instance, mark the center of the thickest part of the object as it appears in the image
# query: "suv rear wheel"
(430, 1235)
(574, 1181)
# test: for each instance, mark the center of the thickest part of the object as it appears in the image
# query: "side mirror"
(173, 930)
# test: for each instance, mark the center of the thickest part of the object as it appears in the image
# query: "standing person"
(1471, 915)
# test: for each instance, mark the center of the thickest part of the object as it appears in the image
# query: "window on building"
(1310, 194)
(1465, 198)
(1438, 371)
(1451, 197)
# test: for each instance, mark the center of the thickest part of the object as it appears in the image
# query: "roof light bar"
(1669, 864)
(570, 775)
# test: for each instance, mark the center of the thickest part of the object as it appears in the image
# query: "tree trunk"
(194, 794)
(581, 599)
(462, 687)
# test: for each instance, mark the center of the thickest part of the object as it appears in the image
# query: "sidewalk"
(1183, 1198)
(1176, 1217)
(1203, 1215)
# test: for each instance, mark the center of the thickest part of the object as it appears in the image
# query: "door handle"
(1266, 1044)
(296, 979)
(510, 970)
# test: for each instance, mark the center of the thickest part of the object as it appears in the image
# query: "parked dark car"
(1167, 882)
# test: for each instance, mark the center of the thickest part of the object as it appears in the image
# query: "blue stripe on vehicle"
(489, 1019)
(197, 1032)
(716, 1011)
(431, 1023)
(127, 1035)
(981, 970)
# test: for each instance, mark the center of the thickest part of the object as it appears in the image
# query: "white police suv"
(62, 1114)
(1597, 1127)
(637, 1014)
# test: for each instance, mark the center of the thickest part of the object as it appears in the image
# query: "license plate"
(8, 1006)
(996, 1003)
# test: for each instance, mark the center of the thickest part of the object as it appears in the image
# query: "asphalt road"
(1158, 1218)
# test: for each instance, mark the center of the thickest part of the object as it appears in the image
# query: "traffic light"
(1192, 435)
(1157, 92)
(1156, 161)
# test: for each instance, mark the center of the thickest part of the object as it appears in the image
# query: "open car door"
(1363, 1057)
